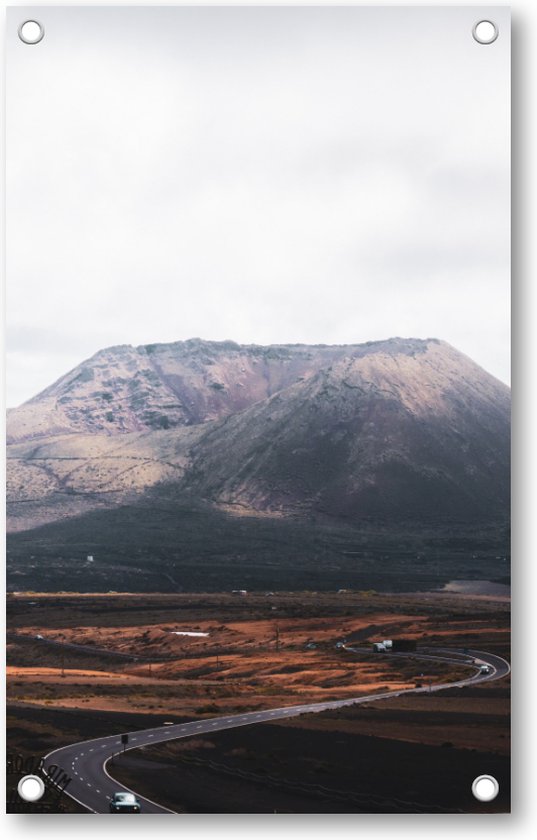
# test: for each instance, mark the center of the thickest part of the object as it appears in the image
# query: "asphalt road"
(88, 762)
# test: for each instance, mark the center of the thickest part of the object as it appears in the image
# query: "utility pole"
(62, 655)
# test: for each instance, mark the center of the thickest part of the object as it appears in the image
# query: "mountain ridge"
(128, 388)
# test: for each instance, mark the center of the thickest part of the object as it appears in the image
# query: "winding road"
(86, 762)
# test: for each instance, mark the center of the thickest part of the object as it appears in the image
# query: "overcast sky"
(259, 174)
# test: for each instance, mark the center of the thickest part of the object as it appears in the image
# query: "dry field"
(258, 653)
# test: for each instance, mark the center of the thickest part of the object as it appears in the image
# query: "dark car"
(124, 803)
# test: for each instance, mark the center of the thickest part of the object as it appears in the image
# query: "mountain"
(162, 386)
(403, 429)
(210, 450)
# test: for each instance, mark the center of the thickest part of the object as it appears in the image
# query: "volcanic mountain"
(391, 432)
(163, 386)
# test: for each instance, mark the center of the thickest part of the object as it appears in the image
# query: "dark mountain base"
(169, 547)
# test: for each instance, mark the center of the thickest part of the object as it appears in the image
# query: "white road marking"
(88, 784)
(91, 749)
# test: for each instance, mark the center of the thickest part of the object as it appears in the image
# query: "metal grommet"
(31, 31)
(31, 788)
(485, 788)
(485, 32)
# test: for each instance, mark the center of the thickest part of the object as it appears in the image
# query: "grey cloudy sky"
(267, 175)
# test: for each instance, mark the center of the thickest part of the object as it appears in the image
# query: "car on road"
(39, 637)
(123, 802)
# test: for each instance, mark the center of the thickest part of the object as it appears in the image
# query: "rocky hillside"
(387, 430)
(164, 386)
(407, 430)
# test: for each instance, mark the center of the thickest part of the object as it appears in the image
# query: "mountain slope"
(50, 479)
(419, 431)
(161, 386)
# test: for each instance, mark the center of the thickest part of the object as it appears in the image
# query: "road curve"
(88, 762)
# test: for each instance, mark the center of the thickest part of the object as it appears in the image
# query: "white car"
(124, 803)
